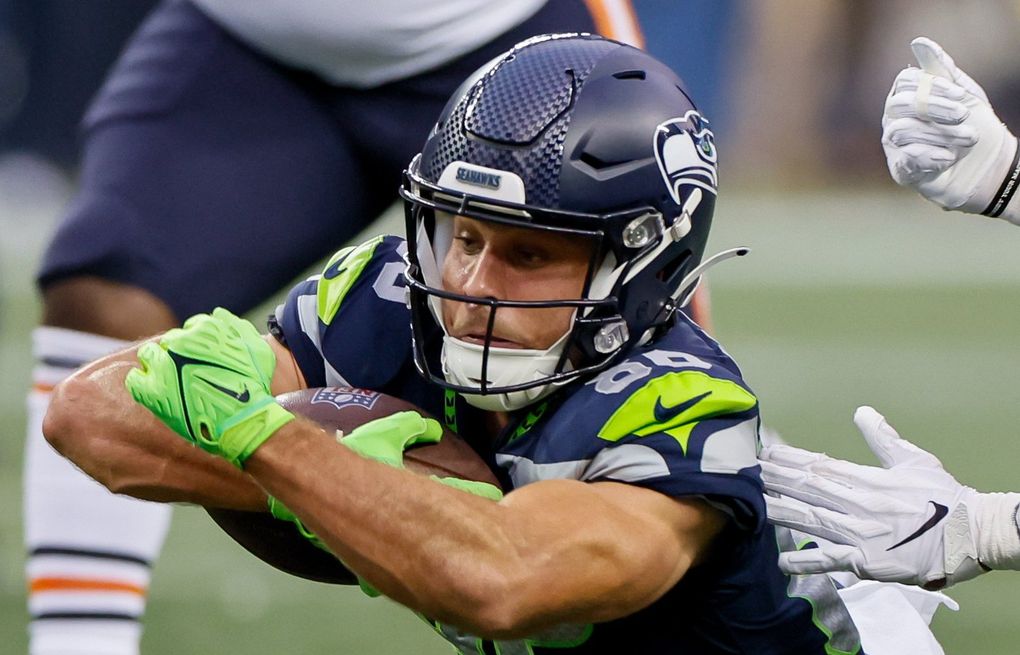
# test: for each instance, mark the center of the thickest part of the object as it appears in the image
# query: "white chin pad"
(430, 253)
(462, 365)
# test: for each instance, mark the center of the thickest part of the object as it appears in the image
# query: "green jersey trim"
(342, 271)
(675, 403)
(828, 612)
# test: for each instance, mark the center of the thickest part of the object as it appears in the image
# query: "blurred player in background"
(911, 521)
(556, 221)
(232, 145)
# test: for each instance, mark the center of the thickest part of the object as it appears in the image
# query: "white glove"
(942, 138)
(908, 522)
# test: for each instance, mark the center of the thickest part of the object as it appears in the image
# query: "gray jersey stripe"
(524, 471)
(828, 611)
(308, 316)
(626, 463)
(731, 449)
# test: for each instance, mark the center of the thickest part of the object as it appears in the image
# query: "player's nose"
(486, 278)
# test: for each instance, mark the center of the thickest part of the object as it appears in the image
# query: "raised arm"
(942, 138)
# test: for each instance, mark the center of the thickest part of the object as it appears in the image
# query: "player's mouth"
(476, 335)
(494, 341)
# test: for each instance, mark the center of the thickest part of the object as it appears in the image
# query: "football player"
(911, 521)
(556, 220)
(233, 145)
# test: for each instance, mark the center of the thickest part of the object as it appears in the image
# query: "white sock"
(89, 551)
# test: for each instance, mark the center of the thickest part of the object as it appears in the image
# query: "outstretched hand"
(908, 521)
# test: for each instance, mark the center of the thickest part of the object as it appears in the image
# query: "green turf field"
(847, 299)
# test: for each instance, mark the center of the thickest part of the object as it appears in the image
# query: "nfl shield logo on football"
(341, 397)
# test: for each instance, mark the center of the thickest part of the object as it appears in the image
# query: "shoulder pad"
(675, 403)
(341, 272)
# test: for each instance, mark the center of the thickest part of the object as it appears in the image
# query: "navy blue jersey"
(674, 415)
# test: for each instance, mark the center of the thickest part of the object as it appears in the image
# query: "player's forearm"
(95, 423)
(500, 570)
(422, 544)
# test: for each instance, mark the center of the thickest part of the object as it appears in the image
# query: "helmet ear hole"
(673, 272)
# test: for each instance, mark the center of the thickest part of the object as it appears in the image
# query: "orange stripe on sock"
(611, 28)
(42, 387)
(78, 584)
(600, 16)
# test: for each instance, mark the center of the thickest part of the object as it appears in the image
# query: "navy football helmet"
(571, 134)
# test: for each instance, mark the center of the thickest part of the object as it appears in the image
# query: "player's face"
(487, 260)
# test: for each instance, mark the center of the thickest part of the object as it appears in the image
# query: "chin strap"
(691, 280)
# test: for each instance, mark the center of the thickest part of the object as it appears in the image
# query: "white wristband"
(997, 533)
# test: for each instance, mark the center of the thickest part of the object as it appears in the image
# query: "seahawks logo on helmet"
(685, 150)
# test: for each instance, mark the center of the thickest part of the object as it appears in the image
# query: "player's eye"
(467, 243)
(530, 256)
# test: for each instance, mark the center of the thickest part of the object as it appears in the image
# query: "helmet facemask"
(489, 375)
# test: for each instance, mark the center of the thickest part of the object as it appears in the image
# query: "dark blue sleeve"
(682, 424)
(350, 326)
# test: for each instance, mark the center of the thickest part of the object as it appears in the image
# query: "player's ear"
(286, 376)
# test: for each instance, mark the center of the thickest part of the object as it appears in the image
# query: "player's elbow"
(497, 618)
(493, 605)
(62, 424)
(499, 621)
(533, 595)
(72, 430)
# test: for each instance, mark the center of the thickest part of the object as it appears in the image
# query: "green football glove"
(209, 382)
(385, 439)
(283, 513)
(483, 489)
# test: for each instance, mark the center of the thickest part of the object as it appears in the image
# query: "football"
(342, 408)
(345, 408)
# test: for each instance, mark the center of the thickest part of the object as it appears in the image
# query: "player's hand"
(209, 382)
(385, 439)
(483, 489)
(942, 137)
(908, 522)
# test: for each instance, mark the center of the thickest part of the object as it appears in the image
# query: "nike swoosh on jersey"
(665, 414)
(336, 270)
(940, 513)
(240, 397)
